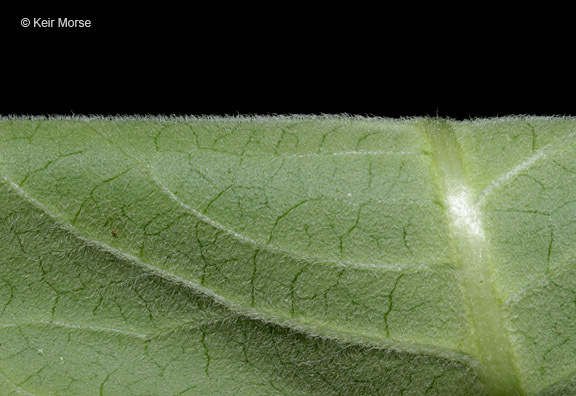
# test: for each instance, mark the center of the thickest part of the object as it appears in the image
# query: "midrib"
(475, 263)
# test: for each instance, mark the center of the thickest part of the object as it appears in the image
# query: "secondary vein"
(316, 329)
(475, 262)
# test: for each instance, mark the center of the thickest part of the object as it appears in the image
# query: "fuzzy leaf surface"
(287, 256)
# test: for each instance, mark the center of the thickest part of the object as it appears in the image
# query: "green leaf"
(287, 256)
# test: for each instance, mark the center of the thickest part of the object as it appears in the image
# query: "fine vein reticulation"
(287, 256)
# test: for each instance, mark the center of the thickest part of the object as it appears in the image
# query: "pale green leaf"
(287, 256)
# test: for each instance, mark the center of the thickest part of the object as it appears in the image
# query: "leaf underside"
(287, 256)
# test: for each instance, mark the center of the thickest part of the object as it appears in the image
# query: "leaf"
(287, 256)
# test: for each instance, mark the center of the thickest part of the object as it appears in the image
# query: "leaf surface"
(287, 256)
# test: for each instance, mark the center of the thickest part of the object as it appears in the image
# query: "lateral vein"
(304, 327)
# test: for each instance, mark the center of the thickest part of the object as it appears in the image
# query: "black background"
(290, 58)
